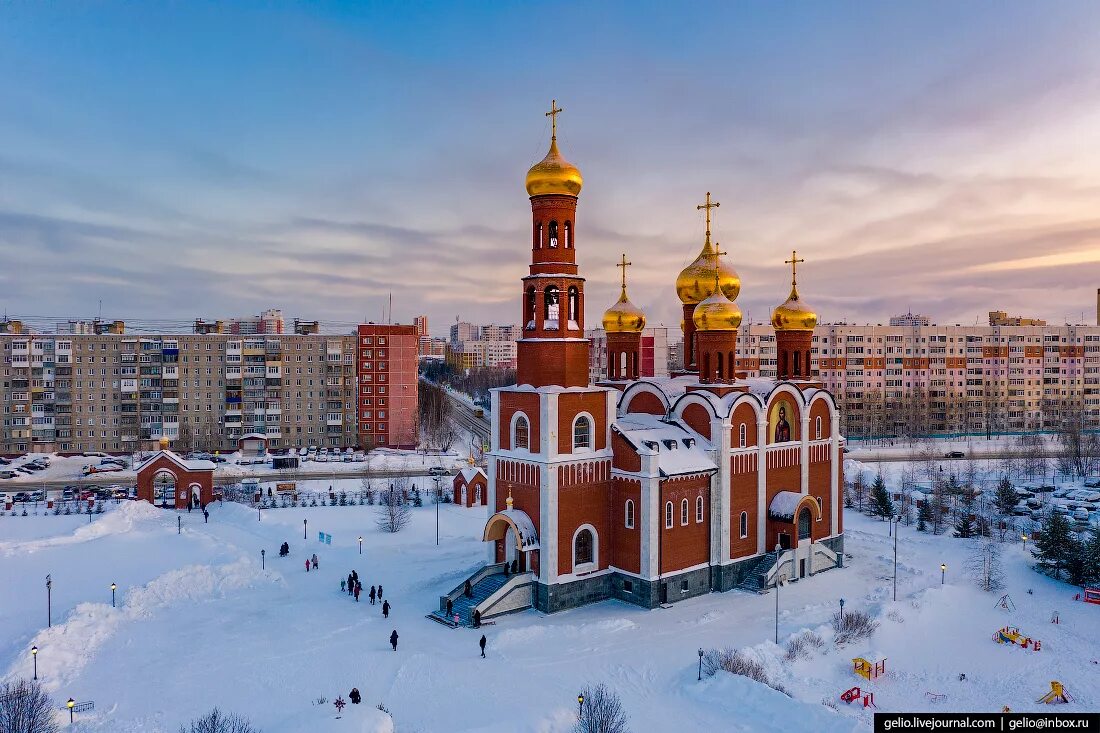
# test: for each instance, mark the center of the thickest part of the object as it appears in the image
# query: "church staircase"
(757, 579)
(484, 583)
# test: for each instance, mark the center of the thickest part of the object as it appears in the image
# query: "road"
(906, 453)
(465, 418)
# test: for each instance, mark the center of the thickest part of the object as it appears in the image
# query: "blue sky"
(192, 159)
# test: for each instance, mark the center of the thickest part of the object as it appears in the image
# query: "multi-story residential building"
(901, 380)
(472, 346)
(1001, 318)
(120, 392)
(387, 390)
(268, 322)
(653, 358)
(464, 331)
(910, 319)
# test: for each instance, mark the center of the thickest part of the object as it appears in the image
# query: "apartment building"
(921, 379)
(388, 385)
(119, 392)
(652, 362)
(492, 345)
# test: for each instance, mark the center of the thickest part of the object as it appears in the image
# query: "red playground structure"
(850, 696)
(1090, 595)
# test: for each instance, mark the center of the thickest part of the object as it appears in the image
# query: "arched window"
(630, 514)
(797, 363)
(743, 435)
(538, 235)
(582, 433)
(568, 235)
(521, 433)
(804, 523)
(683, 511)
(529, 308)
(550, 306)
(731, 364)
(783, 364)
(698, 509)
(820, 508)
(584, 548)
(720, 374)
(817, 426)
(553, 234)
(668, 515)
(574, 304)
(744, 525)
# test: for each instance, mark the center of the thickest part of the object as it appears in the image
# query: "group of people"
(284, 549)
(452, 615)
(310, 561)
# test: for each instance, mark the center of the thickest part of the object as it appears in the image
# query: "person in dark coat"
(307, 564)
(477, 619)
(205, 516)
(372, 595)
(356, 592)
(354, 696)
(351, 584)
(385, 609)
(450, 607)
(393, 639)
(468, 590)
(379, 591)
(482, 643)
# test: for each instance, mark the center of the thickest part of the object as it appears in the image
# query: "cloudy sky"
(175, 160)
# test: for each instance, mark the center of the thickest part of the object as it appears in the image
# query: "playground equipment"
(868, 670)
(1005, 602)
(1057, 694)
(935, 696)
(1054, 618)
(1012, 635)
(850, 696)
(1090, 595)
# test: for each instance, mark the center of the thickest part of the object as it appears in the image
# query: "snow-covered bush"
(737, 662)
(25, 707)
(218, 722)
(601, 711)
(852, 625)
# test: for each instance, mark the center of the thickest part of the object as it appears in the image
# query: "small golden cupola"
(795, 314)
(716, 312)
(696, 281)
(624, 316)
(554, 174)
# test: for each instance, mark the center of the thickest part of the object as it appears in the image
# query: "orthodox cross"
(555, 110)
(717, 253)
(624, 264)
(793, 262)
(708, 206)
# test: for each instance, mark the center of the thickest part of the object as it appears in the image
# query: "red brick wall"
(698, 418)
(742, 499)
(523, 480)
(820, 475)
(399, 379)
(820, 409)
(744, 414)
(626, 550)
(684, 546)
(584, 502)
(569, 406)
(510, 404)
(184, 480)
(625, 456)
(646, 402)
(562, 363)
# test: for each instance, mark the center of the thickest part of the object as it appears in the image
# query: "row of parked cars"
(28, 468)
(1077, 504)
(106, 465)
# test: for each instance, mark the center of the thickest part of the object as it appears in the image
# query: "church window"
(817, 426)
(743, 435)
(550, 305)
(684, 512)
(582, 433)
(629, 514)
(521, 434)
(820, 507)
(744, 525)
(668, 515)
(720, 373)
(568, 235)
(804, 523)
(553, 235)
(698, 509)
(574, 304)
(797, 363)
(538, 235)
(529, 308)
(584, 550)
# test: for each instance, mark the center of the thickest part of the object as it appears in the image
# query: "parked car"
(24, 469)
(1081, 515)
(68, 494)
(8, 474)
(93, 454)
(1061, 493)
(37, 496)
(359, 456)
(321, 458)
(22, 496)
(90, 469)
(5, 461)
(438, 471)
(218, 459)
(954, 454)
(120, 462)
(120, 494)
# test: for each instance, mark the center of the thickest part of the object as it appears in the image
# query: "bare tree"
(185, 442)
(218, 722)
(393, 513)
(984, 565)
(25, 708)
(601, 711)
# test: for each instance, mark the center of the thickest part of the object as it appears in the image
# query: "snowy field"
(199, 624)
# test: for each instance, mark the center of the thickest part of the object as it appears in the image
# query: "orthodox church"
(649, 490)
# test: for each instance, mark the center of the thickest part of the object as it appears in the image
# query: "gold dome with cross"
(696, 281)
(624, 316)
(794, 314)
(716, 312)
(554, 174)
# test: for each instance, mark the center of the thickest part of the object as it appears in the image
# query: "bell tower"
(794, 322)
(553, 349)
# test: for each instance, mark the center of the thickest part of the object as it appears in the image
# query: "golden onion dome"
(794, 315)
(554, 174)
(716, 313)
(696, 281)
(164, 442)
(623, 317)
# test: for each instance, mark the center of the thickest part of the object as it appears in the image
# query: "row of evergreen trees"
(1061, 551)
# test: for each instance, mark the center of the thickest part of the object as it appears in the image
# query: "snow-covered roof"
(469, 473)
(783, 505)
(184, 463)
(679, 451)
(253, 436)
(528, 537)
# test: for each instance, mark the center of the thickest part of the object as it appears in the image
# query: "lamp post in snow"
(360, 544)
(943, 573)
(700, 664)
(114, 587)
(34, 656)
(842, 610)
(179, 524)
(580, 705)
(49, 605)
(896, 521)
(263, 559)
(1024, 538)
(305, 525)
(70, 704)
(778, 549)
(438, 498)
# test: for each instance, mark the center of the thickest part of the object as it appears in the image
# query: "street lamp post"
(580, 705)
(179, 524)
(778, 549)
(360, 544)
(842, 610)
(1024, 538)
(438, 498)
(49, 604)
(263, 559)
(70, 704)
(943, 573)
(305, 525)
(114, 587)
(897, 526)
(34, 656)
(700, 664)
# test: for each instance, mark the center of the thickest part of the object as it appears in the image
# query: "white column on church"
(548, 491)
(761, 483)
(804, 451)
(720, 493)
(834, 472)
(491, 467)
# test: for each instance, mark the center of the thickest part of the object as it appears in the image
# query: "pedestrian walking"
(450, 607)
(356, 592)
(379, 591)
(315, 561)
(385, 609)
(343, 585)
(393, 639)
(205, 516)
(482, 643)
(467, 590)
(351, 584)
(372, 595)
(307, 564)
(354, 696)
(477, 619)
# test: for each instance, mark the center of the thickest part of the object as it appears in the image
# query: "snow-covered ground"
(199, 624)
